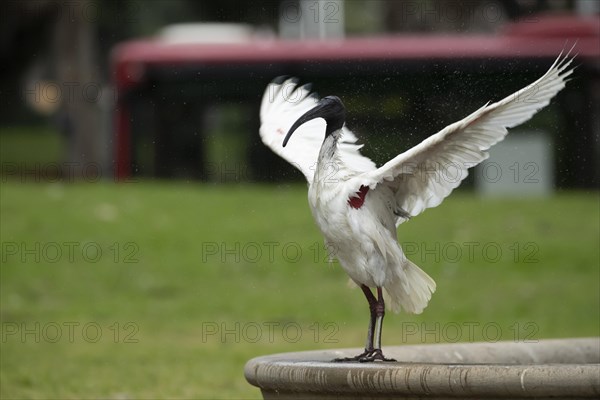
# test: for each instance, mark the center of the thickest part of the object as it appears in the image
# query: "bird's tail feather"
(410, 289)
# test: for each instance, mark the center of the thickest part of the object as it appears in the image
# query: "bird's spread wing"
(282, 104)
(424, 175)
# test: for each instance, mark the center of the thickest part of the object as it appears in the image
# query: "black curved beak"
(330, 108)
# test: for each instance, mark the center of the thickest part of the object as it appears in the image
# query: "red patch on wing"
(358, 200)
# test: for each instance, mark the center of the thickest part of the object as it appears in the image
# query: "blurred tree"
(78, 76)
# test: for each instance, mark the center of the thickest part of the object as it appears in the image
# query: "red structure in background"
(541, 37)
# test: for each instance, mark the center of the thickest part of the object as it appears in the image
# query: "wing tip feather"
(278, 80)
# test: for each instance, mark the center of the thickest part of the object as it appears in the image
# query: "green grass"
(26, 147)
(175, 292)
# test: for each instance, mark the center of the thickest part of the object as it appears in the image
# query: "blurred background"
(151, 244)
(172, 89)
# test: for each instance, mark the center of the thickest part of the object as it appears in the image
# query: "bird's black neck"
(335, 123)
(334, 114)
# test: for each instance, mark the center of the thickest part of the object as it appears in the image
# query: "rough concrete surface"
(561, 368)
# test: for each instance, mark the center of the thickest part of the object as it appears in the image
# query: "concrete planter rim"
(566, 368)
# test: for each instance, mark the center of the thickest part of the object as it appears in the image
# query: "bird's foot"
(375, 355)
(366, 356)
(355, 358)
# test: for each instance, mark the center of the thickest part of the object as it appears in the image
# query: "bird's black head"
(330, 108)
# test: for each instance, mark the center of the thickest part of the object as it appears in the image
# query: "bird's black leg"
(373, 346)
(372, 305)
(376, 353)
(369, 345)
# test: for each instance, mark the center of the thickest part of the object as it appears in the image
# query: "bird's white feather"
(282, 104)
(427, 173)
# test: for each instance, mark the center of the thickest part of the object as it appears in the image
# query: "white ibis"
(358, 206)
